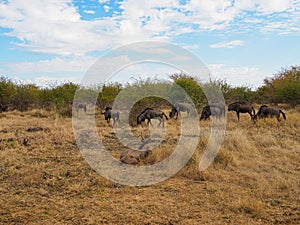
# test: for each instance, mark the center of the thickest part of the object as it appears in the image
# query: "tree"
(63, 96)
(191, 87)
(7, 90)
(284, 87)
(108, 94)
(25, 96)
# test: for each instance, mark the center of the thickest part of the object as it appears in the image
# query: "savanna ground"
(45, 180)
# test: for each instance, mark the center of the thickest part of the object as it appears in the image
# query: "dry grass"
(254, 178)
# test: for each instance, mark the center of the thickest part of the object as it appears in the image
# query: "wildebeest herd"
(218, 111)
(213, 110)
(263, 112)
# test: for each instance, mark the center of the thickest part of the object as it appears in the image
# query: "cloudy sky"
(241, 41)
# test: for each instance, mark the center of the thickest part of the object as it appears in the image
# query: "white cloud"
(103, 1)
(56, 27)
(144, 71)
(56, 65)
(106, 8)
(53, 27)
(89, 11)
(238, 75)
(230, 44)
(46, 81)
(191, 47)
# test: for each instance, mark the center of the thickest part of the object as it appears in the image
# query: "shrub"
(63, 98)
(191, 87)
(284, 87)
(7, 90)
(25, 96)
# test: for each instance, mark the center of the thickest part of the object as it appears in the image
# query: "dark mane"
(146, 109)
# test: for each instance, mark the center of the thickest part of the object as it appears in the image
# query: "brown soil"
(45, 180)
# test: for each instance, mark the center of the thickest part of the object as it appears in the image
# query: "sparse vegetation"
(253, 180)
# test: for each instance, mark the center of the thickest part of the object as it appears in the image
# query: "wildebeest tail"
(283, 114)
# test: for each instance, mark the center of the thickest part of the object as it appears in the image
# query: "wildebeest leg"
(278, 118)
(283, 114)
(251, 116)
(160, 121)
(176, 113)
(238, 115)
(149, 122)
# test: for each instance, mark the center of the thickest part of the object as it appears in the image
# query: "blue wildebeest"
(149, 114)
(181, 107)
(217, 110)
(3, 108)
(239, 107)
(265, 111)
(110, 114)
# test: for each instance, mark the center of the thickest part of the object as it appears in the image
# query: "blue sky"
(241, 41)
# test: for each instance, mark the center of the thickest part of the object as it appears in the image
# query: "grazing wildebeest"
(79, 106)
(149, 114)
(180, 107)
(265, 111)
(213, 110)
(239, 107)
(3, 108)
(110, 114)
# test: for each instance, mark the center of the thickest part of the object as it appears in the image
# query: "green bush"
(63, 96)
(191, 87)
(108, 94)
(7, 90)
(25, 96)
(284, 87)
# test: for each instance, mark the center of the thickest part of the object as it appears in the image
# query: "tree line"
(283, 87)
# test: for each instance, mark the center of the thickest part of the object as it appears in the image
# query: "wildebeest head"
(172, 113)
(139, 120)
(205, 113)
(233, 106)
(142, 116)
(107, 113)
(3, 108)
(108, 108)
